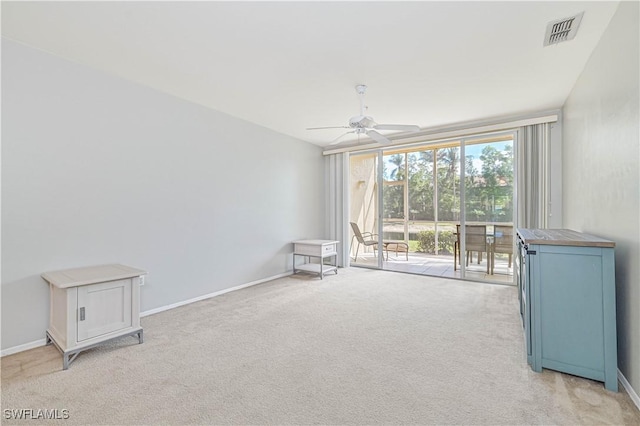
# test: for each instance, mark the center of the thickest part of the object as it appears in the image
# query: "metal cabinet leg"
(69, 356)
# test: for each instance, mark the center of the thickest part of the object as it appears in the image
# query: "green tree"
(448, 162)
(496, 185)
(475, 210)
(420, 183)
(397, 172)
(393, 200)
(488, 191)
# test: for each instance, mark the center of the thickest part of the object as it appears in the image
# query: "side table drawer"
(328, 249)
(319, 250)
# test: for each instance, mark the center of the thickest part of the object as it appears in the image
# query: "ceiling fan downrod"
(360, 90)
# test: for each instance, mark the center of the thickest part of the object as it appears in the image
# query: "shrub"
(427, 242)
(446, 240)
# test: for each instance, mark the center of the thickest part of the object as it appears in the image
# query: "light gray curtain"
(532, 169)
(336, 203)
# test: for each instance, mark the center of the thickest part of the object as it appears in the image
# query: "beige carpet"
(362, 347)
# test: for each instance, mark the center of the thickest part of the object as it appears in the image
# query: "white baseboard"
(24, 347)
(210, 295)
(627, 386)
(41, 342)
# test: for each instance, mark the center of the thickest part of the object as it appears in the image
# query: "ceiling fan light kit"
(364, 124)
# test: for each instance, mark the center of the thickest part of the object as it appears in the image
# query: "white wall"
(601, 167)
(97, 170)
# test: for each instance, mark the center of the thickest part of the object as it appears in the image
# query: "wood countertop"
(562, 237)
(90, 275)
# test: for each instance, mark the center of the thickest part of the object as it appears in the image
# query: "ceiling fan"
(365, 124)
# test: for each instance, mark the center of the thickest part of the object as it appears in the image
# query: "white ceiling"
(292, 65)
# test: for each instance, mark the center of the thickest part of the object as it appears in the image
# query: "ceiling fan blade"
(377, 137)
(401, 127)
(331, 127)
(337, 140)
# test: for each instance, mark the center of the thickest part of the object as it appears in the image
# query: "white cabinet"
(320, 249)
(89, 306)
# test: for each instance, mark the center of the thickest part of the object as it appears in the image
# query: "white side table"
(320, 249)
(92, 305)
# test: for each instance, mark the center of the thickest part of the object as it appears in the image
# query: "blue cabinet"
(566, 284)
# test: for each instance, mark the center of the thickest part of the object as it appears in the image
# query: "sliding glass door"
(488, 209)
(417, 209)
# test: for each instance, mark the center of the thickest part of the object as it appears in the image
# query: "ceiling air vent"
(562, 29)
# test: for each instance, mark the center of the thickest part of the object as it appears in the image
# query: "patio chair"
(502, 243)
(364, 238)
(475, 240)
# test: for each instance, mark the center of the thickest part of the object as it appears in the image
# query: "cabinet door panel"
(107, 308)
(571, 308)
